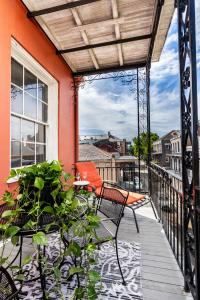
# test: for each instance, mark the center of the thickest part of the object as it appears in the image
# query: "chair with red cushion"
(134, 200)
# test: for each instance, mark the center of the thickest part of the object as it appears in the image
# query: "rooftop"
(90, 153)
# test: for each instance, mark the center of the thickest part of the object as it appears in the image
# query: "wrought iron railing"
(169, 205)
(166, 192)
(127, 176)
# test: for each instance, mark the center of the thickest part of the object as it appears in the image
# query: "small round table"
(80, 184)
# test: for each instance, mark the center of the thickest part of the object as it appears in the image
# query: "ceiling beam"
(32, 14)
(155, 29)
(99, 45)
(85, 37)
(117, 31)
(133, 66)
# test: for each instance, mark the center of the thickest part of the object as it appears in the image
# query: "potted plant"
(46, 189)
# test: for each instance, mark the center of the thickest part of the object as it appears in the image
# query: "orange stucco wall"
(14, 23)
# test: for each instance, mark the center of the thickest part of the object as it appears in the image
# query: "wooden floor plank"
(161, 275)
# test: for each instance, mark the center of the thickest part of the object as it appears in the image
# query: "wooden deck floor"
(161, 276)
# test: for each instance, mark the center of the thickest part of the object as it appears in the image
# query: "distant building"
(162, 149)
(175, 159)
(107, 142)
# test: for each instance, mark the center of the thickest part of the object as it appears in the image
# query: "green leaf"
(20, 277)
(11, 231)
(27, 260)
(40, 238)
(54, 193)
(93, 220)
(92, 295)
(75, 270)
(94, 276)
(57, 272)
(39, 183)
(79, 293)
(74, 248)
(56, 167)
(13, 173)
(7, 214)
(48, 209)
(91, 247)
(15, 240)
(67, 176)
(3, 260)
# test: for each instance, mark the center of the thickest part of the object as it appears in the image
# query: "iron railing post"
(138, 126)
(148, 125)
(189, 141)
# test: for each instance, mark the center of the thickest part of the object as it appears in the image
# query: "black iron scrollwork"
(190, 160)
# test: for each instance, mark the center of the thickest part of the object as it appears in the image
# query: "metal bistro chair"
(134, 200)
(8, 289)
(111, 212)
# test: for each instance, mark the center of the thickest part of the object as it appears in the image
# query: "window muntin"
(29, 116)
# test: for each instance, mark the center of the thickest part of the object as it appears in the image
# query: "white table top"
(80, 182)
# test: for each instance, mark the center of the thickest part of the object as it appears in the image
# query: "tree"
(143, 140)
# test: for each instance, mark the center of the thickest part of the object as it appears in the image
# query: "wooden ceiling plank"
(85, 37)
(117, 31)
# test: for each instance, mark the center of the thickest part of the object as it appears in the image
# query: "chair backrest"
(92, 173)
(8, 289)
(112, 203)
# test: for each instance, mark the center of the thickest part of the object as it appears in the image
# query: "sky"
(108, 105)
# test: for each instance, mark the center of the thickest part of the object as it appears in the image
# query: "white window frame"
(24, 58)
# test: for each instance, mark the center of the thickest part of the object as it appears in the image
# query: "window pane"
(15, 154)
(16, 73)
(40, 153)
(30, 83)
(30, 106)
(16, 100)
(40, 133)
(15, 129)
(42, 91)
(28, 154)
(42, 111)
(28, 131)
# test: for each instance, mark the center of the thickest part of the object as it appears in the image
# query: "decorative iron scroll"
(189, 139)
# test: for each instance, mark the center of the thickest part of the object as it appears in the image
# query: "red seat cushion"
(132, 198)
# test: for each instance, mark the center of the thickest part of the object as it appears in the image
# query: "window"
(29, 116)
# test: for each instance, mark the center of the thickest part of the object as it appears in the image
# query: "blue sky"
(108, 105)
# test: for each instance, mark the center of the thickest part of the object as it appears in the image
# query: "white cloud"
(109, 110)
(98, 111)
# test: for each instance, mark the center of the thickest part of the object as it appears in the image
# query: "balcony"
(56, 50)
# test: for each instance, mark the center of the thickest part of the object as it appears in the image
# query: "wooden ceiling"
(100, 35)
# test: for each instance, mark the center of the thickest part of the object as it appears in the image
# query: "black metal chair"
(8, 288)
(110, 211)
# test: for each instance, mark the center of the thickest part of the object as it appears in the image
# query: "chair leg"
(135, 218)
(116, 248)
(136, 223)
